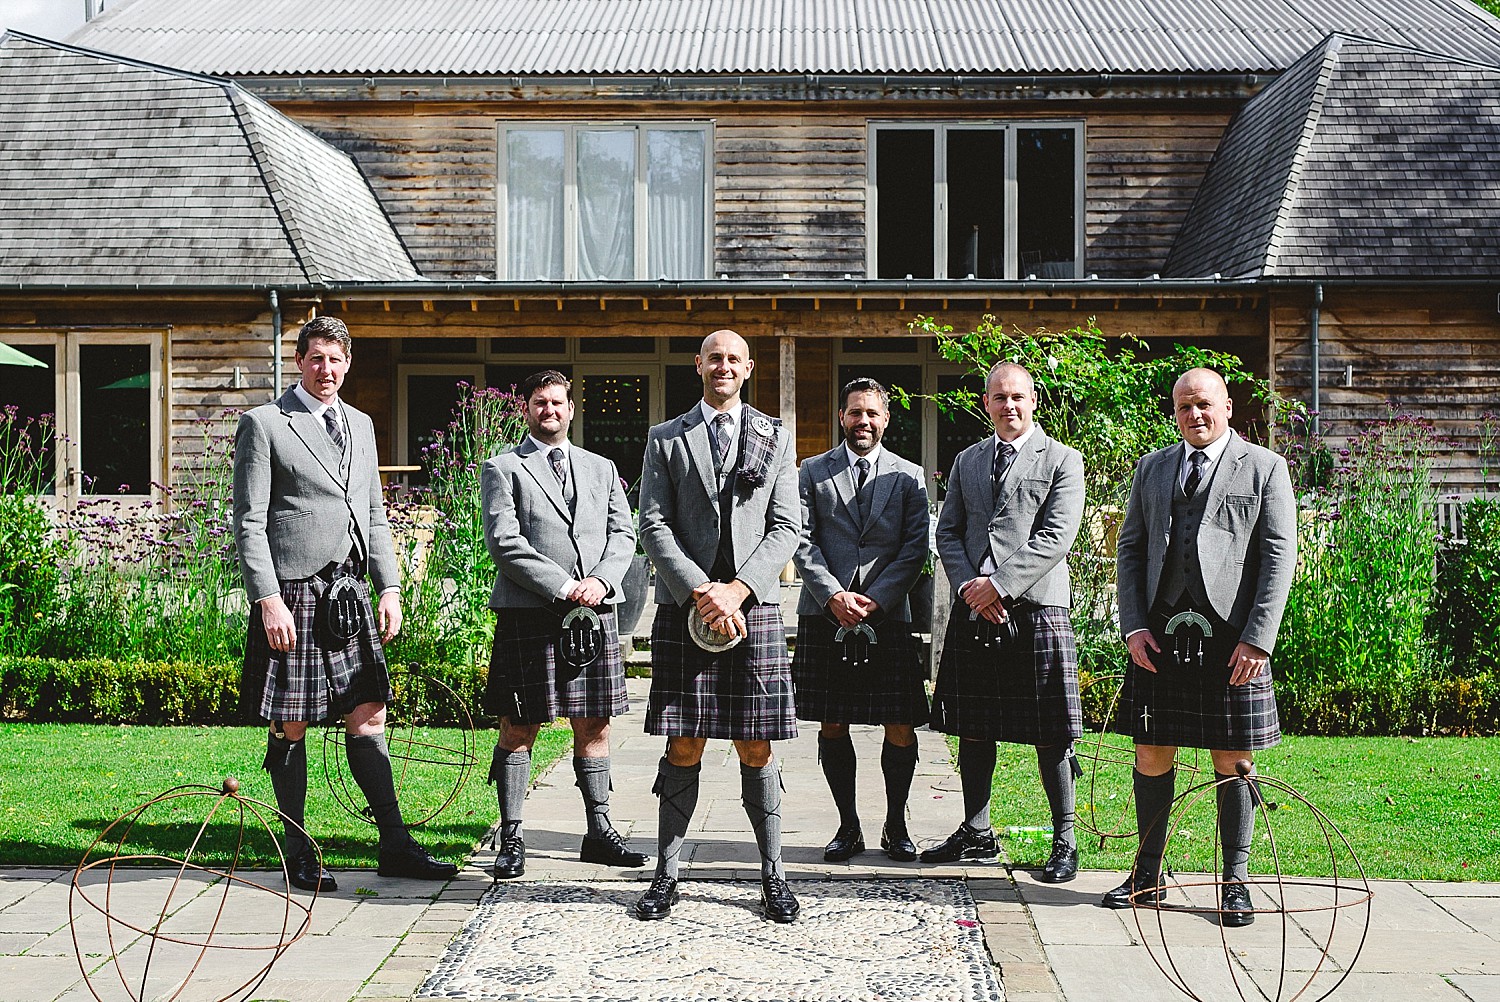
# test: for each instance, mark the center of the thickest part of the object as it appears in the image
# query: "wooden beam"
(788, 376)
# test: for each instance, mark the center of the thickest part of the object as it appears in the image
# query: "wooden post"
(788, 376)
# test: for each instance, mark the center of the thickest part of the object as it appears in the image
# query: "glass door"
(615, 411)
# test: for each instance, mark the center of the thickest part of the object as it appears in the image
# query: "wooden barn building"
(482, 188)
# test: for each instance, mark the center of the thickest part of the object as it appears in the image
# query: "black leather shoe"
(898, 846)
(306, 874)
(411, 860)
(1062, 865)
(510, 858)
(1235, 909)
(1147, 891)
(777, 900)
(659, 898)
(847, 843)
(610, 849)
(965, 843)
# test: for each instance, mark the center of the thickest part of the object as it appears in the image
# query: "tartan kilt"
(885, 690)
(1026, 692)
(527, 683)
(313, 681)
(744, 694)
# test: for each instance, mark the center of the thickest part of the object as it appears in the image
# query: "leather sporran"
(340, 615)
(580, 642)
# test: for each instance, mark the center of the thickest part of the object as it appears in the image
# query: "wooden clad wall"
(1435, 355)
(789, 179)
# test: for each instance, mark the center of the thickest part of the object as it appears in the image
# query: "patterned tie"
(1195, 473)
(1004, 456)
(331, 422)
(559, 468)
(859, 488)
(721, 439)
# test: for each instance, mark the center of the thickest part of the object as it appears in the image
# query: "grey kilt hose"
(885, 690)
(744, 694)
(313, 681)
(1025, 691)
(530, 686)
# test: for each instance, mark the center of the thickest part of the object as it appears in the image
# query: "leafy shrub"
(1467, 619)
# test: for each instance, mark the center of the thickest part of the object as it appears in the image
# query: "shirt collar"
(316, 406)
(546, 449)
(1018, 443)
(1212, 450)
(873, 456)
(709, 414)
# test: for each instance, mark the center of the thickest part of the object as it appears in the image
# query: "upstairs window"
(976, 200)
(604, 203)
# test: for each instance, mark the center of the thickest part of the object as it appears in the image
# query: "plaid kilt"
(527, 683)
(1196, 707)
(313, 681)
(1026, 692)
(744, 694)
(886, 690)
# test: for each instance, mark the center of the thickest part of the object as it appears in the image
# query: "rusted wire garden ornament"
(149, 946)
(1104, 760)
(1328, 913)
(417, 750)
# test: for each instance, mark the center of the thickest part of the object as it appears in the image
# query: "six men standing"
(1205, 561)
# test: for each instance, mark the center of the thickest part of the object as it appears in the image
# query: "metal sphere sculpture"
(1105, 758)
(1328, 912)
(156, 949)
(418, 748)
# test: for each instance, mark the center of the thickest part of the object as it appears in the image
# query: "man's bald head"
(1201, 404)
(724, 340)
(723, 363)
(1205, 380)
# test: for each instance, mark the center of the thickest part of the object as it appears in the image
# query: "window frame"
(939, 129)
(570, 129)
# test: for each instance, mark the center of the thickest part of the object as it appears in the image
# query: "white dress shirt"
(727, 460)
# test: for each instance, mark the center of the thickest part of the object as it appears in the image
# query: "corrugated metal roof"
(601, 37)
(113, 173)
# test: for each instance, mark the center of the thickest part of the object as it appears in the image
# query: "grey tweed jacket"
(537, 541)
(680, 510)
(1028, 528)
(295, 495)
(885, 550)
(1247, 545)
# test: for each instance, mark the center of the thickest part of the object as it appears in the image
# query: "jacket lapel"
(843, 481)
(980, 486)
(695, 430)
(314, 436)
(1223, 473)
(534, 461)
(882, 488)
(1025, 461)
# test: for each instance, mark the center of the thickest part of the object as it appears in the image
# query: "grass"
(61, 785)
(1411, 808)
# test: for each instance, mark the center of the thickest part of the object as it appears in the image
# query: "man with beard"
(559, 529)
(864, 541)
(719, 519)
(1009, 669)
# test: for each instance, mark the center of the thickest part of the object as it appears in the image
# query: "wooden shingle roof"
(116, 173)
(1363, 160)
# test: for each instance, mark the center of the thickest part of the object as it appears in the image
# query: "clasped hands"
(851, 608)
(1247, 661)
(980, 595)
(718, 602)
(590, 592)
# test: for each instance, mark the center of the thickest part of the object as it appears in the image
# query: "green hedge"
(99, 690)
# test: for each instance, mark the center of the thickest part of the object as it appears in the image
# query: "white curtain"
(534, 204)
(674, 203)
(606, 204)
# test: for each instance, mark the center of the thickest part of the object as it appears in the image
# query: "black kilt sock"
(286, 761)
(760, 789)
(1153, 812)
(1236, 824)
(1057, 779)
(676, 789)
(510, 771)
(839, 768)
(976, 771)
(370, 765)
(898, 764)
(592, 778)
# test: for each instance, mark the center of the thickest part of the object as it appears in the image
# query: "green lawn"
(61, 785)
(1424, 808)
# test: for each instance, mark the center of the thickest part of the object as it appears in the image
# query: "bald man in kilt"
(720, 518)
(309, 522)
(559, 530)
(1205, 561)
(1009, 669)
(864, 542)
